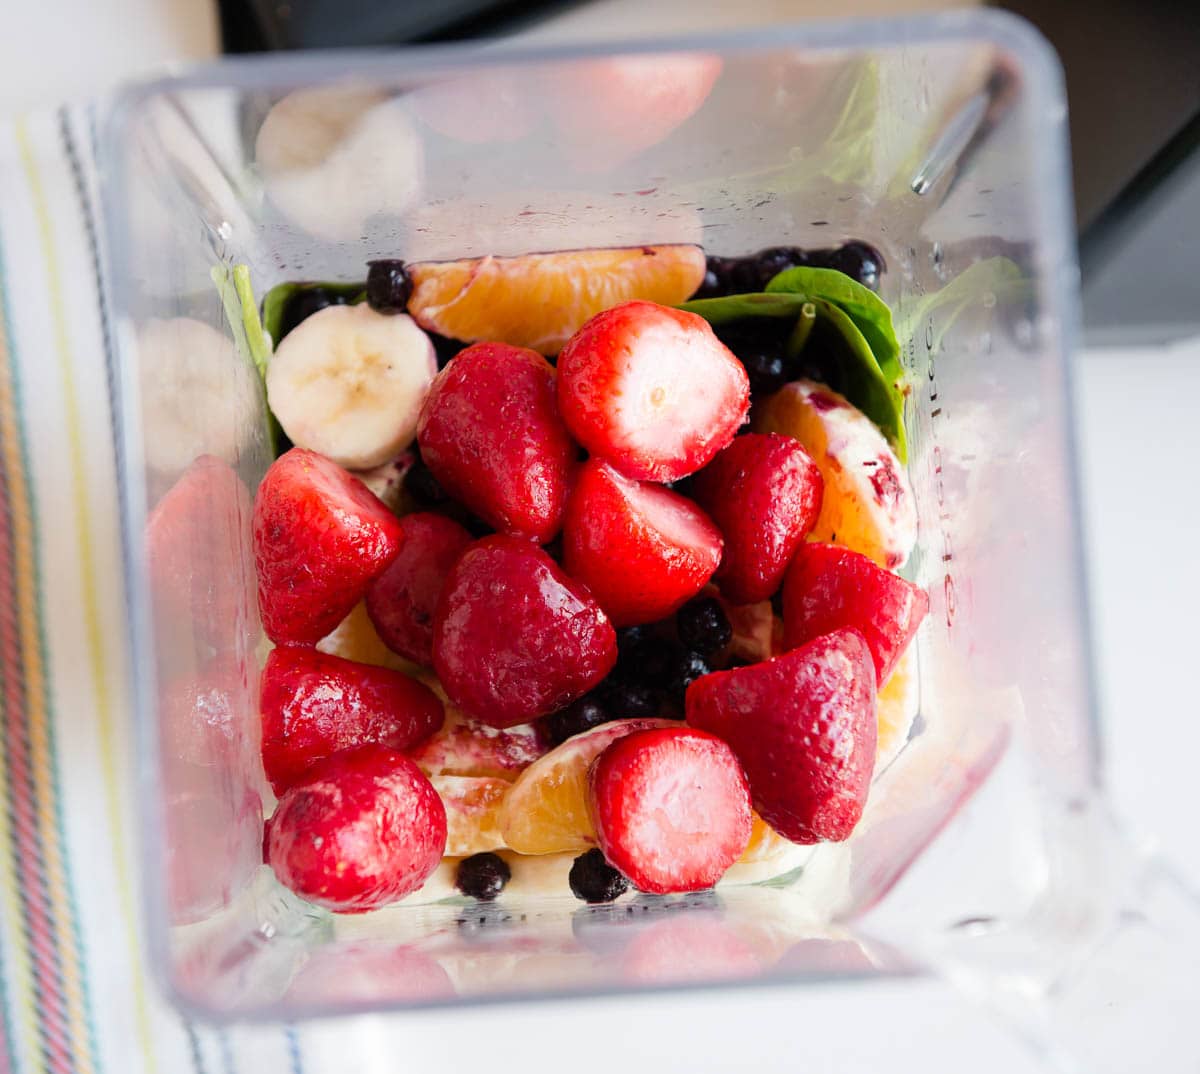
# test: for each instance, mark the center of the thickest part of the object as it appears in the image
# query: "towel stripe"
(51, 999)
(63, 928)
(108, 746)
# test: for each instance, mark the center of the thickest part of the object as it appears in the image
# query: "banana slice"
(349, 383)
(199, 396)
(333, 156)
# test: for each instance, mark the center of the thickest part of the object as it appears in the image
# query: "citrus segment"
(472, 812)
(541, 300)
(868, 503)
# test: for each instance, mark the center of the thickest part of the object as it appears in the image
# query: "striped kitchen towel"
(73, 985)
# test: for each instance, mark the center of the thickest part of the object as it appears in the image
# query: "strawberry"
(314, 705)
(320, 539)
(764, 492)
(828, 587)
(490, 433)
(363, 829)
(651, 390)
(671, 808)
(641, 549)
(803, 726)
(514, 638)
(402, 600)
(198, 554)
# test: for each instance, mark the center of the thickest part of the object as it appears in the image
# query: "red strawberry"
(803, 726)
(363, 829)
(314, 705)
(651, 390)
(764, 492)
(491, 434)
(514, 638)
(641, 549)
(199, 553)
(320, 538)
(671, 808)
(828, 587)
(402, 600)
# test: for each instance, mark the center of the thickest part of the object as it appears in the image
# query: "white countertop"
(1139, 442)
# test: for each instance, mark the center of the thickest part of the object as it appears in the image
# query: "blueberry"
(389, 286)
(577, 717)
(594, 880)
(718, 278)
(703, 625)
(775, 259)
(687, 666)
(304, 303)
(482, 876)
(628, 700)
(860, 261)
(645, 661)
(423, 486)
(767, 372)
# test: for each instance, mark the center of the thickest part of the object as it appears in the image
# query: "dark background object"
(1133, 85)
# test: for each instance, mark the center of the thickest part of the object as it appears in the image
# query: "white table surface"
(1139, 438)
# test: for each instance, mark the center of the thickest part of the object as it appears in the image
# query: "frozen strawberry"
(363, 829)
(490, 433)
(803, 726)
(314, 705)
(671, 808)
(514, 638)
(651, 390)
(402, 600)
(199, 556)
(764, 492)
(320, 539)
(642, 550)
(828, 587)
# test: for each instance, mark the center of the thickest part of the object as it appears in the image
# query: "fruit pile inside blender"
(588, 556)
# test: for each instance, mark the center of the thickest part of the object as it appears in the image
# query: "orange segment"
(546, 811)
(765, 842)
(472, 813)
(466, 747)
(899, 700)
(868, 502)
(355, 638)
(541, 300)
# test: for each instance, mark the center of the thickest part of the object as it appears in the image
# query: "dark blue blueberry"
(593, 880)
(686, 667)
(768, 372)
(577, 717)
(303, 304)
(389, 286)
(629, 700)
(703, 625)
(860, 261)
(482, 876)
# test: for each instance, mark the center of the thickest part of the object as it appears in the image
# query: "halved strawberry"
(363, 829)
(828, 587)
(402, 600)
(671, 808)
(314, 705)
(642, 550)
(803, 727)
(198, 553)
(491, 433)
(651, 390)
(320, 539)
(764, 492)
(514, 638)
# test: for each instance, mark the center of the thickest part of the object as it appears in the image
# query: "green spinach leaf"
(729, 308)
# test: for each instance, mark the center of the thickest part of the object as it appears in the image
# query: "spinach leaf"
(997, 280)
(866, 384)
(870, 314)
(728, 308)
(275, 303)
